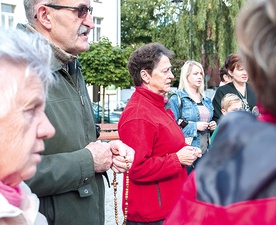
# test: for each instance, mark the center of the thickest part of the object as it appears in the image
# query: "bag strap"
(181, 122)
(179, 106)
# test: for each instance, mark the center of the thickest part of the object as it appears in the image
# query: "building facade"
(107, 20)
(106, 17)
(12, 12)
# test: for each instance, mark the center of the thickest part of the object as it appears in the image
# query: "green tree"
(140, 18)
(200, 30)
(104, 65)
(203, 31)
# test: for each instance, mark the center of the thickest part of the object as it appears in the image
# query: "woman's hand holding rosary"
(188, 154)
(121, 153)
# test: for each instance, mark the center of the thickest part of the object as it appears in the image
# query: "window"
(7, 16)
(97, 29)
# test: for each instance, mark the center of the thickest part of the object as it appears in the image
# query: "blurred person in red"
(235, 183)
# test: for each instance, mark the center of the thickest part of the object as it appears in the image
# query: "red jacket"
(235, 183)
(156, 176)
(190, 211)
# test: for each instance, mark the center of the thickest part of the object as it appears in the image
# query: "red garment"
(265, 115)
(156, 176)
(189, 211)
(235, 183)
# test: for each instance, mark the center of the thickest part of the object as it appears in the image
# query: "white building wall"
(19, 13)
(108, 10)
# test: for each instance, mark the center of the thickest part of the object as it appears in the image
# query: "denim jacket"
(190, 113)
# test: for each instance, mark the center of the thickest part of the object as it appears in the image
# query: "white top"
(26, 214)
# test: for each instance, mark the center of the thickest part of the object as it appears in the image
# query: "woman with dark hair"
(149, 127)
(238, 86)
(235, 183)
(225, 77)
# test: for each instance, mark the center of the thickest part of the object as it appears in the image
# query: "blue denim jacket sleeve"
(190, 114)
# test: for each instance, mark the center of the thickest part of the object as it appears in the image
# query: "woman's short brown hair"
(232, 62)
(146, 58)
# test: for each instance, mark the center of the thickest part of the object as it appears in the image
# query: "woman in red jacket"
(148, 126)
(235, 183)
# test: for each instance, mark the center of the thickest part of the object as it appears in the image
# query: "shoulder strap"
(179, 106)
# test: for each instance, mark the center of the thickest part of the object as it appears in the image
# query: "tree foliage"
(104, 64)
(139, 20)
(199, 30)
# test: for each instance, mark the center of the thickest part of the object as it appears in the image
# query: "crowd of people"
(53, 168)
(235, 182)
(69, 179)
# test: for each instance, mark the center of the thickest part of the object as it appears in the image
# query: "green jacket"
(70, 191)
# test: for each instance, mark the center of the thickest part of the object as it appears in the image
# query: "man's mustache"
(83, 29)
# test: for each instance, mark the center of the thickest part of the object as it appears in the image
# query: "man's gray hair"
(30, 8)
(20, 48)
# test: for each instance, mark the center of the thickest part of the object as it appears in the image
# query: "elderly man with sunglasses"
(69, 180)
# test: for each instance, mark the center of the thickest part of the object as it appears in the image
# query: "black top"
(230, 88)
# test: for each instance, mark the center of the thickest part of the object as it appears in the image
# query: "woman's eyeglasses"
(82, 10)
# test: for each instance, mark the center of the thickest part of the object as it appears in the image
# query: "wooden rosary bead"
(115, 183)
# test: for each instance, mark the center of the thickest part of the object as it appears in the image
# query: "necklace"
(245, 104)
(115, 183)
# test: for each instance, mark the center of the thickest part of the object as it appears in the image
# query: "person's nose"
(45, 128)
(171, 76)
(88, 21)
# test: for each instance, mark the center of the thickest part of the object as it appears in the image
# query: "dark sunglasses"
(82, 10)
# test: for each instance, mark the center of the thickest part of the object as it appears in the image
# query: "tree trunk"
(103, 105)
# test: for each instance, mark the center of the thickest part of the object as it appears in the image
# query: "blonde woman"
(191, 108)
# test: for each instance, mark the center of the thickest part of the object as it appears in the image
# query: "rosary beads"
(115, 183)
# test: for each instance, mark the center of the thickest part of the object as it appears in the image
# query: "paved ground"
(109, 200)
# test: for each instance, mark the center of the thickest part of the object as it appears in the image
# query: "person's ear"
(230, 73)
(145, 76)
(43, 16)
(225, 77)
